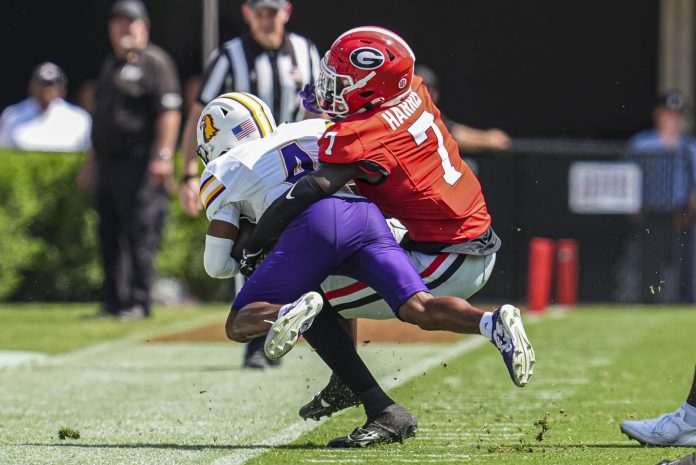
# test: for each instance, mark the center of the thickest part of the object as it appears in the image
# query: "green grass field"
(59, 328)
(137, 402)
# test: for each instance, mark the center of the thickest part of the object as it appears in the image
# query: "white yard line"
(14, 358)
(111, 346)
(297, 429)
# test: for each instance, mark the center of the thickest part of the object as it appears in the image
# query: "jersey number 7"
(418, 130)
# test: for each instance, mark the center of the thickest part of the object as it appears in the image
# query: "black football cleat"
(254, 356)
(393, 424)
(688, 460)
(335, 397)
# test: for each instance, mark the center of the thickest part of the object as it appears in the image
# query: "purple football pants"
(334, 236)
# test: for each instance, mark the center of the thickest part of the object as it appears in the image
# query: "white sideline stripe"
(299, 428)
(110, 346)
(13, 358)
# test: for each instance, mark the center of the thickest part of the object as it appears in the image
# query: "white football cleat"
(666, 430)
(288, 328)
(512, 342)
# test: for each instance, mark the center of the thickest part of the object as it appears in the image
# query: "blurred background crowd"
(577, 118)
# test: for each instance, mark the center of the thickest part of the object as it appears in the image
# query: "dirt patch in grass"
(368, 331)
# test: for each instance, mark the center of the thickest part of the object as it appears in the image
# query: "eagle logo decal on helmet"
(208, 128)
(367, 58)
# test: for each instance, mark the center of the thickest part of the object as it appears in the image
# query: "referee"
(269, 62)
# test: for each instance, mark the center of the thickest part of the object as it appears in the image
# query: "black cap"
(274, 4)
(49, 73)
(673, 100)
(134, 9)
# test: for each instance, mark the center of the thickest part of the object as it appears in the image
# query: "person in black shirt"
(136, 124)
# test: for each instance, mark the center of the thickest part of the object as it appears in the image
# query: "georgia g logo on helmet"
(367, 58)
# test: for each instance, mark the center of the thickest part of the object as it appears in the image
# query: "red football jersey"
(428, 186)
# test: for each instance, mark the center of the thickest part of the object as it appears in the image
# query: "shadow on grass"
(589, 445)
(144, 368)
(189, 447)
(312, 446)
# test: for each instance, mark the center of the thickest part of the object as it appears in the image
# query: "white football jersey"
(248, 178)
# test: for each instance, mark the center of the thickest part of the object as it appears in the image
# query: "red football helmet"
(366, 66)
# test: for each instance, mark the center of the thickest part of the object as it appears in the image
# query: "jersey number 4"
(418, 130)
(297, 162)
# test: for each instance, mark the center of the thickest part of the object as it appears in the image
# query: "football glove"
(250, 261)
(309, 99)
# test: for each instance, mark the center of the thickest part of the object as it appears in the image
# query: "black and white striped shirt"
(275, 76)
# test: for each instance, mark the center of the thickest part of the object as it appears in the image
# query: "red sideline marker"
(540, 273)
(566, 272)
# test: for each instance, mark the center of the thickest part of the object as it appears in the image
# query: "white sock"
(486, 325)
(689, 414)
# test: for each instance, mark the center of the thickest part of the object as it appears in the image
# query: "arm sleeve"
(283, 210)
(217, 258)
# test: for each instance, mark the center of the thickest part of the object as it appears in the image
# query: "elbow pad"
(217, 258)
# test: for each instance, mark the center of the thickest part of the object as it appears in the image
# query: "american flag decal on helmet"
(243, 129)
